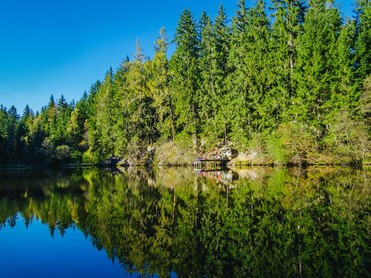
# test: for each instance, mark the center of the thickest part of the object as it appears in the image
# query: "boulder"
(112, 161)
(226, 151)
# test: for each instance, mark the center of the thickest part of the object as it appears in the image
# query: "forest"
(290, 79)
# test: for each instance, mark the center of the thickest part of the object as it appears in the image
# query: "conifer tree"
(185, 82)
(63, 112)
(344, 93)
(362, 47)
(317, 61)
(12, 143)
(77, 121)
(159, 86)
(261, 104)
(214, 70)
(49, 116)
(288, 26)
(3, 133)
(141, 115)
(207, 93)
(91, 123)
(105, 117)
(237, 89)
(123, 124)
(24, 131)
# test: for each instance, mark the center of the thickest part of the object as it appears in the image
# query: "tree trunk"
(225, 134)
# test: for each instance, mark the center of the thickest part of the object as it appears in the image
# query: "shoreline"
(238, 165)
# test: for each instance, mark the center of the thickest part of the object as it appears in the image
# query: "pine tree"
(3, 134)
(287, 27)
(12, 143)
(344, 93)
(214, 53)
(63, 112)
(77, 121)
(92, 134)
(105, 117)
(159, 86)
(24, 132)
(362, 47)
(262, 105)
(236, 108)
(317, 62)
(207, 97)
(185, 81)
(49, 116)
(141, 114)
(123, 124)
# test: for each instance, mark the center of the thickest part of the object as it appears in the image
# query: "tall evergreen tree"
(141, 115)
(105, 117)
(344, 93)
(237, 89)
(288, 26)
(159, 86)
(318, 63)
(123, 124)
(207, 93)
(362, 47)
(3, 133)
(262, 104)
(24, 132)
(185, 82)
(214, 70)
(12, 143)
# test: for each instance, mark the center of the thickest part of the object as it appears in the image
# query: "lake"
(174, 222)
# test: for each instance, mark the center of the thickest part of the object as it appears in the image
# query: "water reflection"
(256, 222)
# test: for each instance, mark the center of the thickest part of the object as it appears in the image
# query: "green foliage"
(90, 157)
(348, 138)
(362, 43)
(159, 86)
(278, 154)
(278, 81)
(365, 101)
(185, 80)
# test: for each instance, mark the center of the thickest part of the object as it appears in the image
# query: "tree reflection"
(262, 222)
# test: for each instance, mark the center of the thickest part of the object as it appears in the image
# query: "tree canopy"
(273, 76)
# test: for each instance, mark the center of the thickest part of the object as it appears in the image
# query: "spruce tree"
(261, 104)
(288, 26)
(105, 117)
(362, 46)
(12, 143)
(317, 63)
(236, 108)
(213, 57)
(123, 122)
(159, 86)
(344, 93)
(3, 133)
(141, 115)
(205, 60)
(185, 81)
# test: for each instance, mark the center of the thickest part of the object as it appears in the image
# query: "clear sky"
(63, 46)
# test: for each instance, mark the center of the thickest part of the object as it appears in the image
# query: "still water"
(256, 222)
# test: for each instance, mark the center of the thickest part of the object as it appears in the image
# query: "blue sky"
(63, 46)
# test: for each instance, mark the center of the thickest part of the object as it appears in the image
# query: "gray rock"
(226, 152)
(112, 160)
